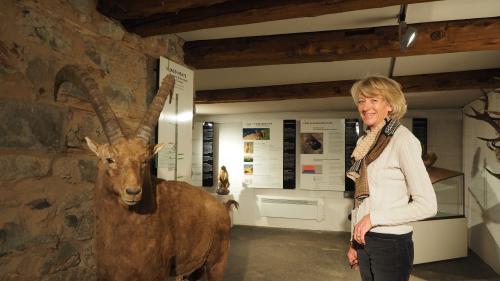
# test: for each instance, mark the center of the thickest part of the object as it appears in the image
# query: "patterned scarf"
(367, 150)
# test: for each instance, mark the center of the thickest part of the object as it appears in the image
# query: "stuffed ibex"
(148, 230)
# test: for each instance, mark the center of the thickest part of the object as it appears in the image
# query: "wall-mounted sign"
(322, 150)
(175, 124)
(263, 154)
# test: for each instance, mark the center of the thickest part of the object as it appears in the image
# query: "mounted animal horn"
(81, 77)
(148, 123)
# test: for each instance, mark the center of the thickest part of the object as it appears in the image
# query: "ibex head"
(125, 158)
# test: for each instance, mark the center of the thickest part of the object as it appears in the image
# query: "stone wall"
(46, 172)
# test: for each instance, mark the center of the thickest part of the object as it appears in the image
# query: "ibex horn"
(81, 78)
(148, 123)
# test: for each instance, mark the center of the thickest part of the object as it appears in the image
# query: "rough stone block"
(85, 230)
(76, 273)
(23, 166)
(83, 124)
(13, 236)
(92, 53)
(120, 96)
(111, 30)
(39, 204)
(37, 71)
(80, 224)
(88, 169)
(48, 240)
(48, 34)
(67, 168)
(66, 257)
(32, 126)
(83, 6)
(71, 220)
(8, 58)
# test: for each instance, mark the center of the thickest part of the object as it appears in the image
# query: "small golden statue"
(428, 157)
(223, 181)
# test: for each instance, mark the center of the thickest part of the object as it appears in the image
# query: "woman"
(392, 184)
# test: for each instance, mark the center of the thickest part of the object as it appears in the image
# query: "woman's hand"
(352, 257)
(361, 228)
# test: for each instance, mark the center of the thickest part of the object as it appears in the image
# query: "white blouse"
(395, 175)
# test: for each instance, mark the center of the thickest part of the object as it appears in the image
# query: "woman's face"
(373, 110)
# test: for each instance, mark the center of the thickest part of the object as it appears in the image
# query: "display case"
(443, 236)
(449, 188)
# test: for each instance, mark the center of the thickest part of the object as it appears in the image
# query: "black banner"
(208, 154)
(289, 153)
(419, 129)
(353, 129)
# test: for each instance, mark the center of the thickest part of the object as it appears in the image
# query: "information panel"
(263, 154)
(175, 124)
(322, 154)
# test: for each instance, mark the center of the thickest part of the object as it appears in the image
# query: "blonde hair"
(389, 89)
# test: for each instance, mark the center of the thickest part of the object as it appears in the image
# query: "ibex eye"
(110, 160)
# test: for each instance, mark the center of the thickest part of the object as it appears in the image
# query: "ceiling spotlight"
(408, 38)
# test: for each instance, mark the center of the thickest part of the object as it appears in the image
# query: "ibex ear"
(92, 146)
(157, 148)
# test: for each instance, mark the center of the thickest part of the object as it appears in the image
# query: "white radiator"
(291, 207)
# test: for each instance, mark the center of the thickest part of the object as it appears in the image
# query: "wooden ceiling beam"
(238, 12)
(132, 9)
(475, 79)
(367, 43)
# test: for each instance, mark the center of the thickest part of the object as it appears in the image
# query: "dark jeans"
(385, 257)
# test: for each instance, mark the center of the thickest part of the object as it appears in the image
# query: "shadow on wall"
(347, 220)
(475, 162)
(248, 213)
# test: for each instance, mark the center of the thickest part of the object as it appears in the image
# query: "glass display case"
(449, 188)
(443, 236)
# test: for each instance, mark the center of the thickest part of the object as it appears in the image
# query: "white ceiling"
(206, 79)
(449, 62)
(427, 100)
(252, 76)
(349, 20)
